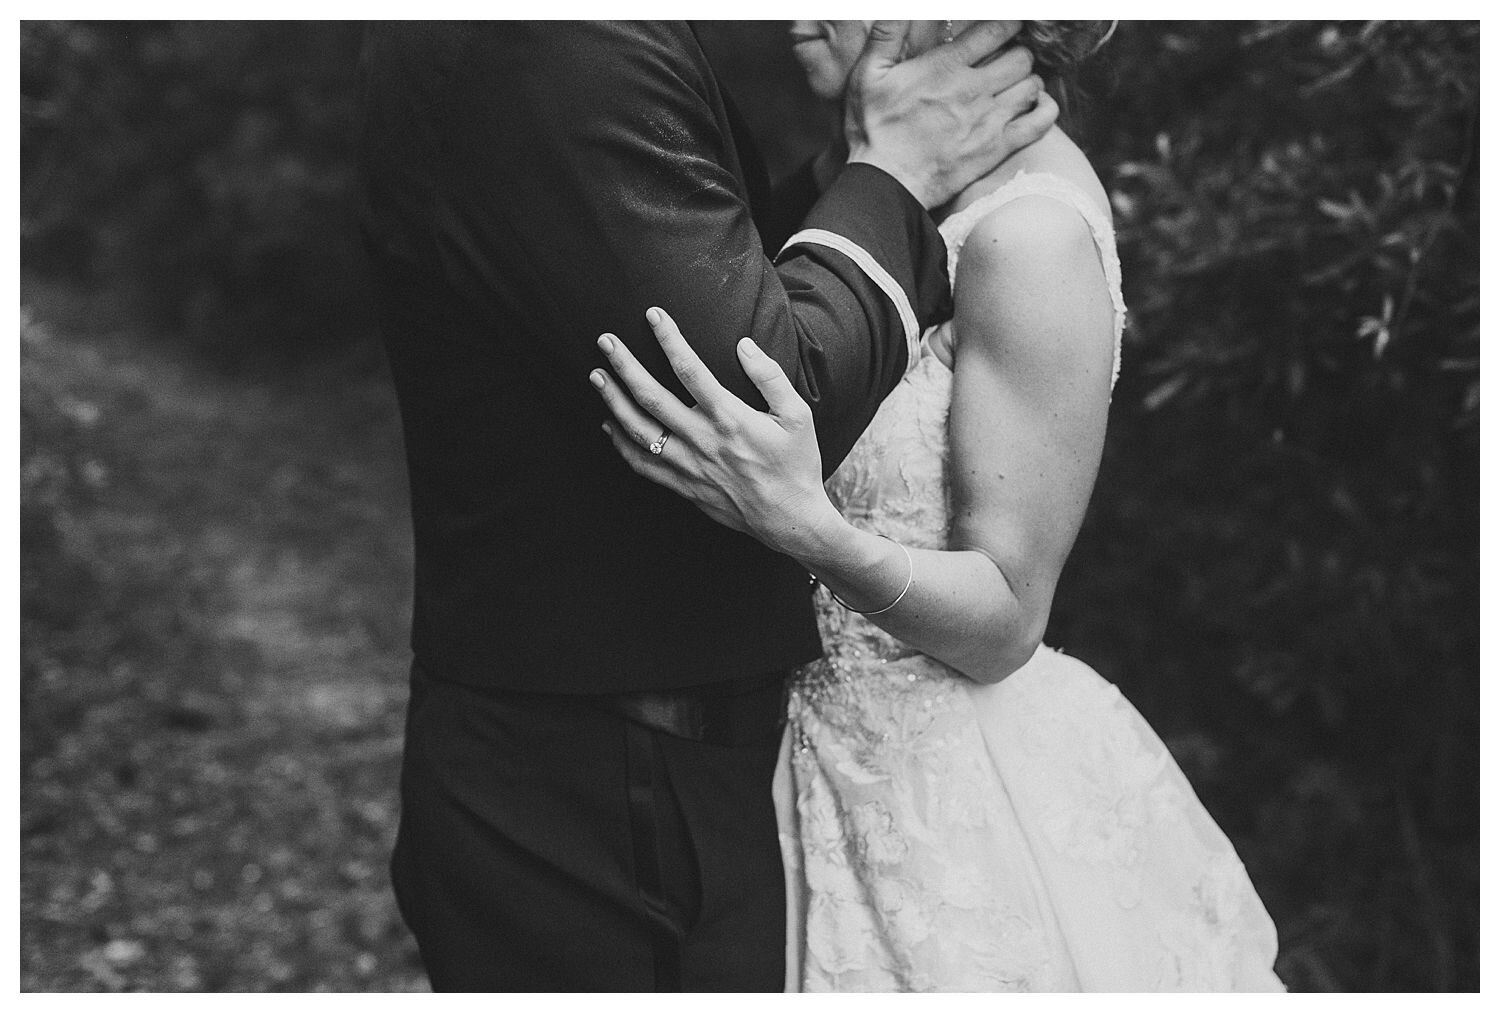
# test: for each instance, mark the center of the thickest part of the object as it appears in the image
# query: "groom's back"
(542, 563)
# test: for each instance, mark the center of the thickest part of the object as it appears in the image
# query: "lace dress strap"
(957, 226)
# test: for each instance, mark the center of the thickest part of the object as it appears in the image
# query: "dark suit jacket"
(527, 187)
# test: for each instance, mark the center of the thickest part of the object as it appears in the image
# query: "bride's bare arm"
(1030, 399)
(1032, 372)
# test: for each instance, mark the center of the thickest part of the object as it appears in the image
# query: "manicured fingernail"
(606, 344)
(597, 378)
(607, 431)
(654, 316)
(749, 347)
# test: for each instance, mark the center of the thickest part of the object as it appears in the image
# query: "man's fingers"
(884, 43)
(695, 376)
(769, 378)
(1020, 115)
(1030, 126)
(1018, 99)
(642, 387)
(978, 41)
(1009, 69)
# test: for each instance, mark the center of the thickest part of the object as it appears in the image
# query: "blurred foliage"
(1280, 566)
(1283, 546)
(201, 170)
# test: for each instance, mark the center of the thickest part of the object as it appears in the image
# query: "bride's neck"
(1048, 152)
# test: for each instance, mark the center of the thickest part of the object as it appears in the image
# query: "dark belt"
(733, 713)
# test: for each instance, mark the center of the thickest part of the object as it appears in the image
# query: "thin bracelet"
(911, 571)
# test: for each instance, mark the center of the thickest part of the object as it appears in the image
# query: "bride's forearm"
(955, 605)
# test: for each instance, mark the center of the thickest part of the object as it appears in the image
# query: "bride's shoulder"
(1044, 207)
(1030, 238)
(1036, 223)
(1031, 270)
(1032, 298)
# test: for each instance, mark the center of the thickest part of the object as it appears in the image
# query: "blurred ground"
(215, 593)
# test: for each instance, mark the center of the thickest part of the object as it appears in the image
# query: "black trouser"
(547, 844)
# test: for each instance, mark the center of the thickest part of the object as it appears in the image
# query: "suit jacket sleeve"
(590, 175)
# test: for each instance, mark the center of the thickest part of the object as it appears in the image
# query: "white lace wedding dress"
(1034, 835)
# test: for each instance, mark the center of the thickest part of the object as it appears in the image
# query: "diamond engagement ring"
(661, 442)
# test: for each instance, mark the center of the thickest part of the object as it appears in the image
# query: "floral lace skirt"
(1034, 835)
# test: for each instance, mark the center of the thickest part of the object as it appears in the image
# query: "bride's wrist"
(819, 536)
(866, 572)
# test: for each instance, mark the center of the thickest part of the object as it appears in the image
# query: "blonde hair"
(1058, 47)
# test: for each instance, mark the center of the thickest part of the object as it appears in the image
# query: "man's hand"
(939, 121)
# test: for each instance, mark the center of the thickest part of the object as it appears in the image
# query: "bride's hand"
(757, 472)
